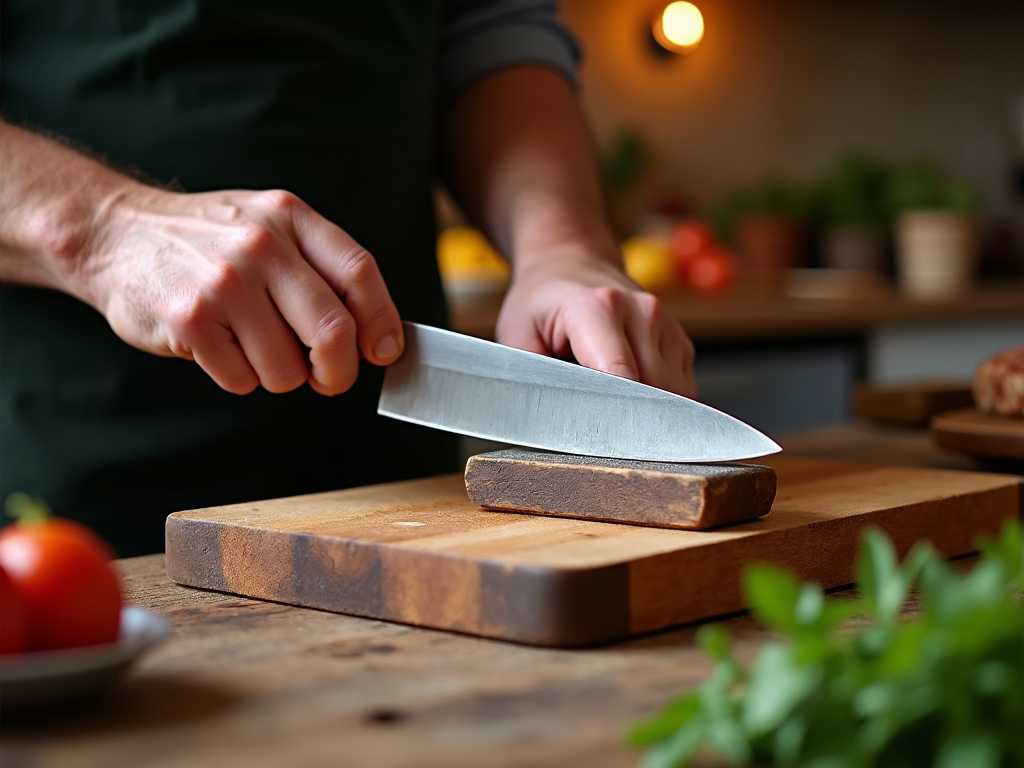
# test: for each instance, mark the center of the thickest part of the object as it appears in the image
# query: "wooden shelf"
(754, 313)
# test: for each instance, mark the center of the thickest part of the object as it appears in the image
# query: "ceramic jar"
(935, 253)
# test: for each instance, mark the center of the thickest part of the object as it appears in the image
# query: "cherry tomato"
(711, 272)
(688, 240)
(13, 621)
(62, 571)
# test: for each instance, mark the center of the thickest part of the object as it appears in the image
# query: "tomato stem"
(26, 509)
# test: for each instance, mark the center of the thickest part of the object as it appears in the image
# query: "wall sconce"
(678, 28)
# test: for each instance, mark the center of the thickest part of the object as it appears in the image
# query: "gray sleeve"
(480, 36)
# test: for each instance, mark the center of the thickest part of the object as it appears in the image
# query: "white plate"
(33, 680)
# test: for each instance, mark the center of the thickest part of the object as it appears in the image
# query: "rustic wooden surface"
(247, 683)
(262, 685)
(979, 434)
(911, 403)
(685, 496)
(421, 552)
(751, 312)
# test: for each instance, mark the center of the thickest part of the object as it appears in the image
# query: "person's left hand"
(570, 305)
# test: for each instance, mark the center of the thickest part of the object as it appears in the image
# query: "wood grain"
(980, 434)
(421, 552)
(254, 684)
(684, 496)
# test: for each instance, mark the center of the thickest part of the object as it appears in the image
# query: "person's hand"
(255, 287)
(568, 304)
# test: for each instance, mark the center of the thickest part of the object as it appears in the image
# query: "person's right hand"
(243, 283)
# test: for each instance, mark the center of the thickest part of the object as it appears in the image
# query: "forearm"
(519, 159)
(52, 203)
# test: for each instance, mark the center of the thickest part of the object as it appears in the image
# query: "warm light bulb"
(680, 26)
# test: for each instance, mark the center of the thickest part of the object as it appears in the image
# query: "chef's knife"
(482, 389)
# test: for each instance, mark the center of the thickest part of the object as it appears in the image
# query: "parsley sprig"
(943, 689)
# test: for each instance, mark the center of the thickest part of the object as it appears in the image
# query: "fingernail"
(388, 347)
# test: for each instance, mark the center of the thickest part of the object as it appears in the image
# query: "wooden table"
(243, 682)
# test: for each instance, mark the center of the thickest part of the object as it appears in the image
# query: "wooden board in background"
(979, 434)
(910, 403)
(420, 552)
(685, 496)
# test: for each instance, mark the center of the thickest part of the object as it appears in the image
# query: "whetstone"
(658, 494)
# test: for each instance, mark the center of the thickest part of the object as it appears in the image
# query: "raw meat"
(999, 384)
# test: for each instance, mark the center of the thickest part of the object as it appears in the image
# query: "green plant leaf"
(973, 750)
(777, 684)
(673, 717)
(810, 603)
(883, 588)
(677, 749)
(944, 687)
(1007, 549)
(772, 594)
(725, 736)
(715, 642)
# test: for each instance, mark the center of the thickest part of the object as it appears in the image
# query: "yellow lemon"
(647, 261)
(463, 253)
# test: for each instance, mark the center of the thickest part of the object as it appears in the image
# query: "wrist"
(83, 232)
(547, 227)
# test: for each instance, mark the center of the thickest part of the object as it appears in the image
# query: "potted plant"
(851, 211)
(766, 223)
(935, 231)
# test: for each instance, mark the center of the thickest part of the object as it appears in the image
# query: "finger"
(598, 338)
(520, 333)
(323, 324)
(269, 344)
(218, 353)
(353, 274)
(644, 320)
(678, 353)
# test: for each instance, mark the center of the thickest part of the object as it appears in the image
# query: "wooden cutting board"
(420, 552)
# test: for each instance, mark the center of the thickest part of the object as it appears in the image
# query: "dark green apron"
(331, 100)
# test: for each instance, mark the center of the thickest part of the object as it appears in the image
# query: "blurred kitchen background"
(825, 194)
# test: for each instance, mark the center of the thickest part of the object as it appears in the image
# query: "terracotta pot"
(769, 245)
(936, 253)
(854, 248)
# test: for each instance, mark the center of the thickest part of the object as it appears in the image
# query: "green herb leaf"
(977, 750)
(715, 642)
(778, 683)
(772, 594)
(942, 689)
(881, 585)
(673, 717)
(676, 750)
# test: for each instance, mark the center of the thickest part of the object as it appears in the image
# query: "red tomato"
(62, 572)
(711, 272)
(688, 240)
(13, 622)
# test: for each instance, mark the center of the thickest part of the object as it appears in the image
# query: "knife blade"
(478, 388)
